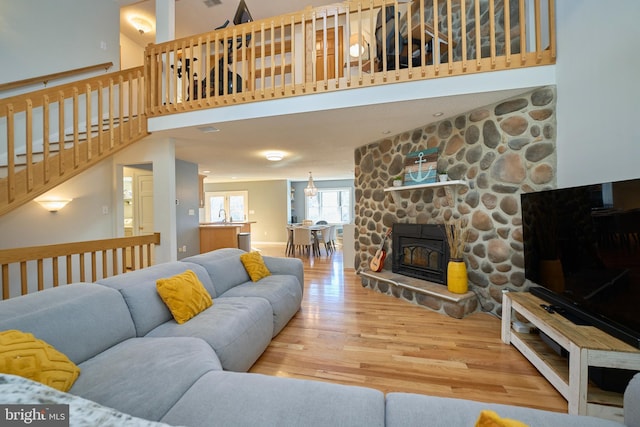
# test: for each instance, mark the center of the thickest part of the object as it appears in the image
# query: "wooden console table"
(586, 345)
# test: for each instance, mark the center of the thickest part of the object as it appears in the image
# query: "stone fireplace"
(420, 251)
(500, 151)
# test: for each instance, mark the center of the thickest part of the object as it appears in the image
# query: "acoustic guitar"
(377, 262)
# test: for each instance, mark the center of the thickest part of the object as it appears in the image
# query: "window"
(330, 204)
(229, 205)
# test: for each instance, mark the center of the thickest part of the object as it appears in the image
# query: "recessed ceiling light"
(274, 156)
(438, 114)
(386, 132)
(207, 171)
(208, 129)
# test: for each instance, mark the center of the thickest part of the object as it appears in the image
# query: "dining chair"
(304, 240)
(325, 237)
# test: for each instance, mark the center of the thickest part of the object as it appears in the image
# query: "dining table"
(315, 228)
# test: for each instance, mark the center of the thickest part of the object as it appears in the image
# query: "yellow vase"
(457, 281)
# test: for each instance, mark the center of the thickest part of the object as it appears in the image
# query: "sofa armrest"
(632, 402)
(281, 265)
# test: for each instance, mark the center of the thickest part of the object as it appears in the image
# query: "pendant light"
(310, 190)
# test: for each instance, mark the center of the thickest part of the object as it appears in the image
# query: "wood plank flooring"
(348, 334)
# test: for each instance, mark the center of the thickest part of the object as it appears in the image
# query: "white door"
(144, 205)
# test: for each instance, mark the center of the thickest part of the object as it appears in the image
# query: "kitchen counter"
(216, 235)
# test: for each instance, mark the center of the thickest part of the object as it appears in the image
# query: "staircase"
(55, 134)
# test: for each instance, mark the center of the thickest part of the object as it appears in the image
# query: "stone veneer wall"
(501, 151)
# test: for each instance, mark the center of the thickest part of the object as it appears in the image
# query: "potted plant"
(442, 174)
(457, 234)
(397, 181)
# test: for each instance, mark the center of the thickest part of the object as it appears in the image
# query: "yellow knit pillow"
(23, 354)
(489, 418)
(184, 294)
(254, 264)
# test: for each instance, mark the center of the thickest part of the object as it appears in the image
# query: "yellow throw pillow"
(489, 418)
(254, 264)
(184, 294)
(24, 355)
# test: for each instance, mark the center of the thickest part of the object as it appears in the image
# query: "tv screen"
(242, 15)
(582, 247)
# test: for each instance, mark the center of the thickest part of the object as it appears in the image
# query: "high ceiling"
(313, 138)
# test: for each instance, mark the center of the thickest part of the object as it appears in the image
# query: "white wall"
(82, 219)
(39, 37)
(132, 54)
(161, 153)
(598, 137)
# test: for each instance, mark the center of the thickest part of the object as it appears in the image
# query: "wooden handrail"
(111, 255)
(54, 76)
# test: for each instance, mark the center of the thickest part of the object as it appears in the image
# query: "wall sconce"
(141, 24)
(53, 205)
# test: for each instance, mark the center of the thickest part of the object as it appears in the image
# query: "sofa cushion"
(254, 264)
(144, 377)
(246, 400)
(238, 329)
(407, 410)
(283, 293)
(224, 267)
(23, 354)
(184, 295)
(82, 412)
(139, 291)
(79, 320)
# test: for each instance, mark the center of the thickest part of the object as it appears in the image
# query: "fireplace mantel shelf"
(454, 182)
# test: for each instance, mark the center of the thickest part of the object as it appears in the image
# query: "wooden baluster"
(55, 271)
(76, 135)
(69, 264)
(82, 268)
(114, 261)
(450, 37)
(94, 267)
(88, 119)
(336, 49)
(5, 281)
(23, 278)
(262, 55)
(104, 264)
(46, 166)
(61, 146)
(111, 133)
(130, 99)
(492, 32)
(507, 33)
(552, 28)
(538, 31)
(478, 36)
(100, 120)
(121, 109)
(463, 26)
(29, 144)
(11, 161)
(436, 38)
(40, 274)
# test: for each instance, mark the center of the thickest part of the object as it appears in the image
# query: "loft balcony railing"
(347, 45)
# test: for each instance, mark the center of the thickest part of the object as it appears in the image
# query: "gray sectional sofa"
(140, 368)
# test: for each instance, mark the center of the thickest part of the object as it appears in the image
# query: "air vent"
(211, 3)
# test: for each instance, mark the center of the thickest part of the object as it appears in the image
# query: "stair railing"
(51, 135)
(39, 267)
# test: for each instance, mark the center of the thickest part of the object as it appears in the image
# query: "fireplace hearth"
(420, 251)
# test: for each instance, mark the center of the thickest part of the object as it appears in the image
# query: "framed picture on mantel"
(420, 167)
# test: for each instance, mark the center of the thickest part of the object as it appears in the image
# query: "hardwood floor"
(348, 334)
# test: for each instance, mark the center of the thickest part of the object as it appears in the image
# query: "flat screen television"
(582, 254)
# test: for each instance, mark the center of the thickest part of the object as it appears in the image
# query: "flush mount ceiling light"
(438, 114)
(142, 25)
(53, 205)
(274, 156)
(310, 190)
